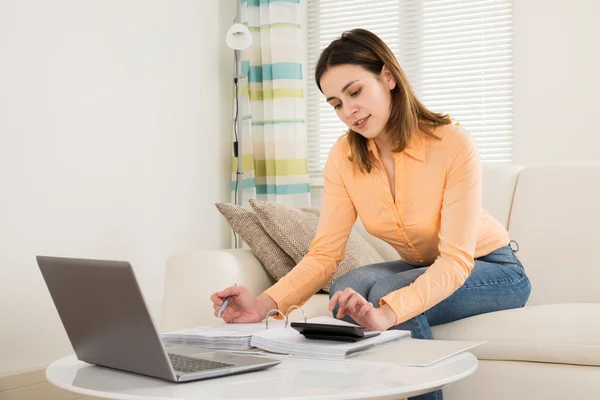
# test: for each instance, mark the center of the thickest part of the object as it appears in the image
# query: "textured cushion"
(245, 222)
(294, 230)
(553, 333)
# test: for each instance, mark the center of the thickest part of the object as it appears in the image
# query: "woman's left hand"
(362, 312)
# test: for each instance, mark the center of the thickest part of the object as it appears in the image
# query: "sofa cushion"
(294, 232)
(554, 333)
(499, 181)
(245, 222)
(555, 220)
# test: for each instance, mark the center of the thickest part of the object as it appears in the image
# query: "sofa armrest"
(191, 277)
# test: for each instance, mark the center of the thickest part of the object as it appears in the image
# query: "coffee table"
(294, 378)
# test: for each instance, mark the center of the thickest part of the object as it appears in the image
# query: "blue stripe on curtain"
(283, 189)
(269, 72)
(245, 67)
(246, 184)
(256, 3)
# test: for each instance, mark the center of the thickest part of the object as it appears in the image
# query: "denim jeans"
(497, 282)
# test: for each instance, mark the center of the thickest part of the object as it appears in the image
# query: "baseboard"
(33, 385)
(22, 379)
(40, 391)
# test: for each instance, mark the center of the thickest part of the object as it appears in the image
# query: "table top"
(294, 378)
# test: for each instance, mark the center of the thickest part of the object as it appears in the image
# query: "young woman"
(414, 178)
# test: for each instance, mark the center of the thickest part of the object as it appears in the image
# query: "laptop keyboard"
(187, 365)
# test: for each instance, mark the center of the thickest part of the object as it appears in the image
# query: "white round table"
(294, 378)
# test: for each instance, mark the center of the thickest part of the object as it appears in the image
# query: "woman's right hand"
(243, 306)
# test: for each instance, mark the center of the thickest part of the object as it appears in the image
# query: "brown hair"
(407, 114)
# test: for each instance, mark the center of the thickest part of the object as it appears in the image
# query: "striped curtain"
(274, 140)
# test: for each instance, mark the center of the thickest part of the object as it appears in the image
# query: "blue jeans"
(497, 282)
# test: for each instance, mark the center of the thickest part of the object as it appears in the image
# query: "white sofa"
(550, 349)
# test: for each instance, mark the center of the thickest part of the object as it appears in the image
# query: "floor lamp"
(238, 38)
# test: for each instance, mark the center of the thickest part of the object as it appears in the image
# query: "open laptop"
(107, 321)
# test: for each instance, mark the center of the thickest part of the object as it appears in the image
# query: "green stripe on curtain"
(283, 189)
(256, 3)
(289, 167)
(247, 184)
(269, 72)
(273, 26)
(278, 121)
(270, 94)
(247, 163)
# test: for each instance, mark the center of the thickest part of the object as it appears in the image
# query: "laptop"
(107, 321)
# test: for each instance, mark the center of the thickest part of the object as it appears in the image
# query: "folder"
(415, 352)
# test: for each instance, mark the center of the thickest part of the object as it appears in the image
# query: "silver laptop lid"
(103, 311)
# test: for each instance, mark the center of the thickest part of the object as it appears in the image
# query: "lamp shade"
(238, 37)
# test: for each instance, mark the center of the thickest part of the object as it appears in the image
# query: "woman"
(414, 178)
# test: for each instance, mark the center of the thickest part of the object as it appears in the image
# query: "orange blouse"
(436, 219)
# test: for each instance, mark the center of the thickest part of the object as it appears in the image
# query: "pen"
(224, 306)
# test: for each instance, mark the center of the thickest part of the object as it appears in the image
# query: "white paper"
(220, 336)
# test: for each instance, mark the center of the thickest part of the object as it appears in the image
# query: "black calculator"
(343, 333)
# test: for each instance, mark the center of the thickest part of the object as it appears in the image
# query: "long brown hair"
(407, 115)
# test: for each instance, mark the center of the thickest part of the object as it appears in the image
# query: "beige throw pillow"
(294, 230)
(245, 222)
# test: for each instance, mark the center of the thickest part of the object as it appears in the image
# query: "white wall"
(557, 84)
(115, 124)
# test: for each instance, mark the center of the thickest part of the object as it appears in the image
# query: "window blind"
(457, 55)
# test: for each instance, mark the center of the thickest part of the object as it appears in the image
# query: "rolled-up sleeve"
(460, 214)
(327, 249)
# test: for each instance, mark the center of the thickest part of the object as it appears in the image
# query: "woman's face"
(361, 99)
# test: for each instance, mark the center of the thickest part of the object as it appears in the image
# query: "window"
(456, 54)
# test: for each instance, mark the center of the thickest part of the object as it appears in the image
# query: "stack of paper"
(290, 341)
(221, 336)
